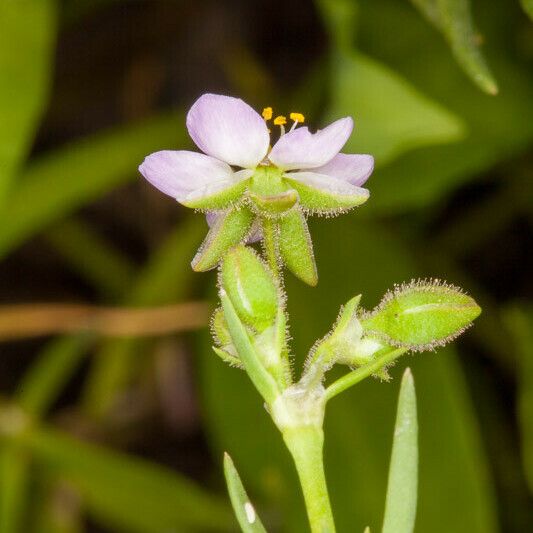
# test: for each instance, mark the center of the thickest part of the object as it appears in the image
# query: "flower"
(232, 134)
(239, 179)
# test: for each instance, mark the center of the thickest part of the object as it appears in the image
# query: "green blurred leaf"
(454, 20)
(27, 38)
(391, 115)
(108, 270)
(499, 128)
(400, 506)
(46, 377)
(358, 422)
(528, 7)
(126, 492)
(519, 321)
(165, 279)
(62, 181)
(244, 510)
(14, 477)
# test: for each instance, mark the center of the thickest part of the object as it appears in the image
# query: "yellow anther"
(297, 117)
(280, 120)
(267, 113)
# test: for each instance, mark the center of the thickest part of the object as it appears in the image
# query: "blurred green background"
(114, 412)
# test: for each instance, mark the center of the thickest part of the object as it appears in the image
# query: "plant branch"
(358, 375)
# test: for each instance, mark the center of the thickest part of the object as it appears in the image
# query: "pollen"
(267, 113)
(280, 120)
(297, 117)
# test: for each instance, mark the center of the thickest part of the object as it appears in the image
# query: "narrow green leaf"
(45, 379)
(128, 493)
(262, 380)
(228, 230)
(519, 321)
(244, 510)
(296, 248)
(402, 489)
(27, 38)
(60, 182)
(454, 19)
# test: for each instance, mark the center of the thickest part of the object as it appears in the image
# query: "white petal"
(179, 173)
(353, 168)
(328, 184)
(301, 149)
(229, 129)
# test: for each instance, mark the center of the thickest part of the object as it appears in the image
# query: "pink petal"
(229, 129)
(353, 168)
(179, 173)
(301, 149)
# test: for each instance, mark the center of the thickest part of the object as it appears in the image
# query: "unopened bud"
(250, 286)
(421, 315)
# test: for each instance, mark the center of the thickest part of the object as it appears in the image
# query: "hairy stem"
(361, 373)
(306, 446)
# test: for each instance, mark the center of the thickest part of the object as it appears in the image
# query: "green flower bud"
(421, 315)
(249, 284)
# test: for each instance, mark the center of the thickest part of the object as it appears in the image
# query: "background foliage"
(126, 434)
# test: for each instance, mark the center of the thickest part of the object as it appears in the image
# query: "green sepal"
(218, 199)
(296, 248)
(244, 511)
(274, 204)
(219, 328)
(230, 228)
(249, 284)
(322, 201)
(227, 356)
(421, 315)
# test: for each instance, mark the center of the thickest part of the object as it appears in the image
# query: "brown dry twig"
(32, 320)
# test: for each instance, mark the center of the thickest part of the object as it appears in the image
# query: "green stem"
(306, 446)
(361, 373)
(270, 244)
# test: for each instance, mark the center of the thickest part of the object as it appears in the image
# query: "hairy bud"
(250, 287)
(421, 315)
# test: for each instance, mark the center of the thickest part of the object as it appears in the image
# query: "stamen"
(280, 121)
(297, 117)
(267, 113)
